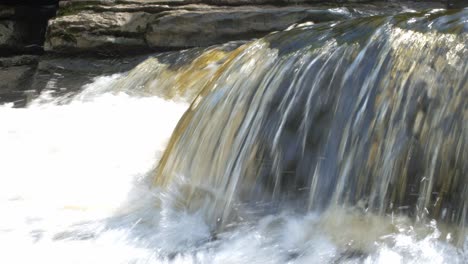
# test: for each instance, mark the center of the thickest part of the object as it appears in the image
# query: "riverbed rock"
(12, 77)
(87, 30)
(204, 26)
(137, 26)
(15, 83)
(20, 60)
(111, 26)
(62, 75)
(132, 26)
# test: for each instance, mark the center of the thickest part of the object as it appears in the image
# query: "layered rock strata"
(126, 26)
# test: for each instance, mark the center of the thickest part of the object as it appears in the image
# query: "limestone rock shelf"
(106, 26)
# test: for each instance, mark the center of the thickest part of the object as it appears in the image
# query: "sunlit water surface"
(75, 188)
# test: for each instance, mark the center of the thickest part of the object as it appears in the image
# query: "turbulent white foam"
(73, 190)
(65, 163)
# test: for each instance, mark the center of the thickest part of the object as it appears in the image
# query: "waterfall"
(369, 112)
(338, 142)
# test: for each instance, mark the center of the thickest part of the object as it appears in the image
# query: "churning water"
(336, 143)
(66, 168)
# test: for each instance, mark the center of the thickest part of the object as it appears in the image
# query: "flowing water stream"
(343, 142)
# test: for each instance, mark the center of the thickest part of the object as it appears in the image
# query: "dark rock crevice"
(23, 25)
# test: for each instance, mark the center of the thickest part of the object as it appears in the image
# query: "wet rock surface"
(62, 74)
(14, 82)
(22, 78)
(16, 77)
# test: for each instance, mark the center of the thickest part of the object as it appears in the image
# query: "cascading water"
(333, 143)
(369, 113)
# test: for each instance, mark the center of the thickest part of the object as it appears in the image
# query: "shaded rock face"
(109, 26)
(23, 26)
(8, 37)
(13, 77)
(16, 77)
(456, 3)
(7, 33)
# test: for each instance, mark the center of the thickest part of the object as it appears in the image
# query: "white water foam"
(76, 162)
(74, 188)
